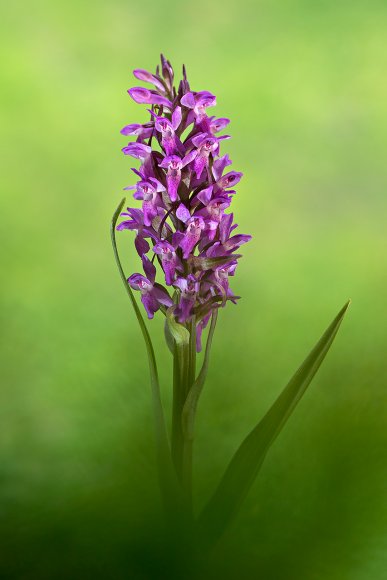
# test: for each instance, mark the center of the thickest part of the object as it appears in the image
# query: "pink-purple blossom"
(183, 226)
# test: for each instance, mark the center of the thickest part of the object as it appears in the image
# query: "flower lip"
(205, 140)
(175, 164)
(146, 187)
(171, 162)
(163, 247)
(164, 125)
(196, 222)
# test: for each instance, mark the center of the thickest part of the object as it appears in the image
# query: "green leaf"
(168, 337)
(191, 403)
(167, 478)
(179, 332)
(245, 464)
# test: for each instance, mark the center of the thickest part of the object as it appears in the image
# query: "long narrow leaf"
(166, 474)
(189, 409)
(248, 459)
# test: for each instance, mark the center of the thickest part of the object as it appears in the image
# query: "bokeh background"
(305, 86)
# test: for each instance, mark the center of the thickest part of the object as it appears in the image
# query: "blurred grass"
(305, 86)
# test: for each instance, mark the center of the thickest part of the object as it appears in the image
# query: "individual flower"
(199, 102)
(189, 287)
(168, 258)
(206, 144)
(143, 96)
(142, 132)
(148, 191)
(153, 296)
(137, 150)
(195, 226)
(174, 164)
(169, 141)
(136, 223)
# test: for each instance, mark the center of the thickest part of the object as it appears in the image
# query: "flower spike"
(185, 192)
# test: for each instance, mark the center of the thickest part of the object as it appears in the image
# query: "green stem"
(187, 442)
(184, 369)
(180, 359)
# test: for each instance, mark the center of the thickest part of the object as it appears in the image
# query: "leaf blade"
(179, 332)
(167, 480)
(246, 462)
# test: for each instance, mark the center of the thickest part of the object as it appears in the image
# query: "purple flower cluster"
(185, 192)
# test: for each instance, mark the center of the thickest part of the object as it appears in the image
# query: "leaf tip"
(117, 213)
(346, 305)
(122, 203)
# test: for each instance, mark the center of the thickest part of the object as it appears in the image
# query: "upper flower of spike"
(185, 193)
(199, 102)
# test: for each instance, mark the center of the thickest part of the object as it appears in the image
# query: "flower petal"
(137, 150)
(162, 295)
(147, 77)
(219, 166)
(149, 269)
(176, 118)
(182, 213)
(236, 241)
(219, 124)
(143, 96)
(188, 100)
(205, 195)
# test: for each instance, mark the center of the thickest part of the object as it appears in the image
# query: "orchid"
(186, 239)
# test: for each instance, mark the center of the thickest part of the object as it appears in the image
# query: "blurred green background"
(305, 86)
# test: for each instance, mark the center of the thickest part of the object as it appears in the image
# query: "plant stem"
(179, 369)
(184, 370)
(187, 442)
